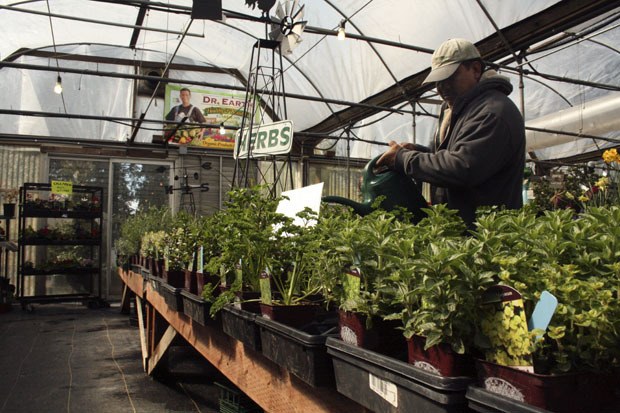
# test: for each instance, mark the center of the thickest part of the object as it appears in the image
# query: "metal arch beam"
(94, 21)
(139, 25)
(565, 14)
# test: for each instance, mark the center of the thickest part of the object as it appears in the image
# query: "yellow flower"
(584, 198)
(569, 195)
(611, 155)
(602, 183)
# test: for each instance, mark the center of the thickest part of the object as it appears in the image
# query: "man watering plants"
(478, 153)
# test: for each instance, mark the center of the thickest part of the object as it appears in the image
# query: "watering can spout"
(358, 207)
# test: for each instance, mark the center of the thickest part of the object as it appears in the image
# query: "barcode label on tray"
(385, 389)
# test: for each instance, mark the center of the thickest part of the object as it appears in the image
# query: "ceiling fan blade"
(275, 33)
(287, 7)
(293, 7)
(297, 14)
(285, 46)
(280, 11)
(298, 28)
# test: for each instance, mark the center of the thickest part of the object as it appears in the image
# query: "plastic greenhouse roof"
(367, 87)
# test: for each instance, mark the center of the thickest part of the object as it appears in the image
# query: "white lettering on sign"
(385, 389)
(264, 140)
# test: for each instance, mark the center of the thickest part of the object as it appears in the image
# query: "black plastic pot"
(301, 352)
(386, 385)
(241, 325)
(481, 400)
(172, 296)
(197, 309)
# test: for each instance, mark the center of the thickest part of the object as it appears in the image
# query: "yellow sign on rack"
(62, 187)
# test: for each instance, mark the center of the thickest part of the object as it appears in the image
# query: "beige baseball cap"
(447, 58)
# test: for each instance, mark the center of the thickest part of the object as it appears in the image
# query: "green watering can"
(398, 189)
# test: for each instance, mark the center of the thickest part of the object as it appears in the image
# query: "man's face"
(184, 95)
(462, 81)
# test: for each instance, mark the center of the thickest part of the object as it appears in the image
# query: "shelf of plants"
(426, 316)
(59, 243)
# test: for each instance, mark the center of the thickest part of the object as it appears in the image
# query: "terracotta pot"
(248, 301)
(175, 278)
(292, 315)
(205, 278)
(159, 268)
(563, 393)
(439, 359)
(383, 337)
(190, 283)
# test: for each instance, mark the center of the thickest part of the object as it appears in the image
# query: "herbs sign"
(264, 140)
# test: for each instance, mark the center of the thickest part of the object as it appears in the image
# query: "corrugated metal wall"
(18, 165)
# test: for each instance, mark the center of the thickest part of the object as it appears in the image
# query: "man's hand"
(388, 159)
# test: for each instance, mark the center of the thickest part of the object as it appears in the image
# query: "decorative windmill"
(288, 26)
(266, 83)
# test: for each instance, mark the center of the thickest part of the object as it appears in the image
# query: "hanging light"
(341, 32)
(222, 129)
(58, 86)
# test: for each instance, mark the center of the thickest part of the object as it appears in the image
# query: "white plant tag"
(385, 389)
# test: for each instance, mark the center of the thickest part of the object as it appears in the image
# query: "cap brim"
(441, 73)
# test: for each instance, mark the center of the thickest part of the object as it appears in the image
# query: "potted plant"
(9, 198)
(362, 256)
(437, 293)
(574, 259)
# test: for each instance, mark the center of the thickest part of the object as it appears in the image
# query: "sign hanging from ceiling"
(265, 140)
(218, 107)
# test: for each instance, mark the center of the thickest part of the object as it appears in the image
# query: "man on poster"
(185, 112)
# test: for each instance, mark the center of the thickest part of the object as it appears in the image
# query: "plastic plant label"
(265, 288)
(543, 312)
(352, 283)
(505, 325)
(200, 265)
(238, 272)
(385, 389)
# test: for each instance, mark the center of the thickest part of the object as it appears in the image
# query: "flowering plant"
(9, 195)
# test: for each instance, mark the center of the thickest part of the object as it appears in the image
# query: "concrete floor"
(69, 358)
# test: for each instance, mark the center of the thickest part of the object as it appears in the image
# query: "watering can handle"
(370, 168)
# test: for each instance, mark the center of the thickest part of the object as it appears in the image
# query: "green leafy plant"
(180, 242)
(437, 286)
(134, 227)
(576, 260)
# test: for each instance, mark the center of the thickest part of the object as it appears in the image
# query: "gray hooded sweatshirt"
(481, 159)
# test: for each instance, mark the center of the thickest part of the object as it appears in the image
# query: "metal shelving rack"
(83, 206)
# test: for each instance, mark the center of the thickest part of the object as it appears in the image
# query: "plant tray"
(301, 352)
(481, 400)
(439, 359)
(197, 309)
(563, 393)
(387, 385)
(241, 325)
(172, 296)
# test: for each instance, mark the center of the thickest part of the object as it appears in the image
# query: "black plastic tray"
(241, 325)
(303, 353)
(481, 400)
(172, 296)
(197, 309)
(384, 384)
